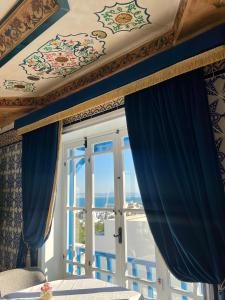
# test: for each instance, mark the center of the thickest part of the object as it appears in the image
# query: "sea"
(108, 201)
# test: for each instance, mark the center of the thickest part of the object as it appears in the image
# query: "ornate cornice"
(15, 101)
(94, 111)
(27, 17)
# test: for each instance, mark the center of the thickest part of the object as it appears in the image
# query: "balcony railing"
(105, 261)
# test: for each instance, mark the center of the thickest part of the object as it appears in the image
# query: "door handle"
(119, 235)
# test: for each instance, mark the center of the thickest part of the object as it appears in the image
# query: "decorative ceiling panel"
(91, 41)
(91, 34)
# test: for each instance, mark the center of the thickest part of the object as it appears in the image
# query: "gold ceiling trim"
(26, 18)
(187, 65)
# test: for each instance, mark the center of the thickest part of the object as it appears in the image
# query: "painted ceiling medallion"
(16, 85)
(63, 55)
(123, 16)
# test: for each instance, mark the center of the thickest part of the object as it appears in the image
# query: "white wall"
(51, 254)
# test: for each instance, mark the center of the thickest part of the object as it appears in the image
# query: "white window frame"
(163, 282)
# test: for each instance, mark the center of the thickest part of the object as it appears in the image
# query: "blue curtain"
(178, 175)
(39, 163)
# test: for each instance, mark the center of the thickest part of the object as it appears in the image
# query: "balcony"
(142, 271)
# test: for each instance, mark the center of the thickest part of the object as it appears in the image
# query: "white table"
(80, 289)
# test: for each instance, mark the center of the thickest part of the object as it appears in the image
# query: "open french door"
(107, 233)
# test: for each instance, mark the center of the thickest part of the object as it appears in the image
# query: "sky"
(104, 174)
(103, 168)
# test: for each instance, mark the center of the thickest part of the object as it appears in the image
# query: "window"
(108, 236)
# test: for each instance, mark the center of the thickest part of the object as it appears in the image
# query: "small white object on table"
(79, 289)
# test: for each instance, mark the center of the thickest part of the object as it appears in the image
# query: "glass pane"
(103, 180)
(200, 290)
(140, 248)
(180, 297)
(70, 240)
(147, 291)
(104, 146)
(126, 141)
(105, 254)
(79, 151)
(70, 182)
(80, 182)
(75, 238)
(79, 239)
(180, 285)
(70, 152)
(78, 270)
(79, 230)
(132, 193)
(105, 277)
(69, 268)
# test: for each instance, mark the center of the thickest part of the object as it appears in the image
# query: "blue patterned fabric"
(10, 204)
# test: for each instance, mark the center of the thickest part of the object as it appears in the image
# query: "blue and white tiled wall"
(10, 204)
(216, 97)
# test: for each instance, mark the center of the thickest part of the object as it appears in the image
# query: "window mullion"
(73, 212)
(120, 218)
(65, 196)
(117, 209)
(122, 207)
(89, 215)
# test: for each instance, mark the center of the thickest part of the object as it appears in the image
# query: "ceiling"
(6, 6)
(89, 41)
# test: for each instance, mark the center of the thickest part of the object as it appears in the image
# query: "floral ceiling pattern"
(63, 55)
(83, 47)
(123, 16)
(16, 85)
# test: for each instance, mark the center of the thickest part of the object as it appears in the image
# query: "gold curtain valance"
(187, 65)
